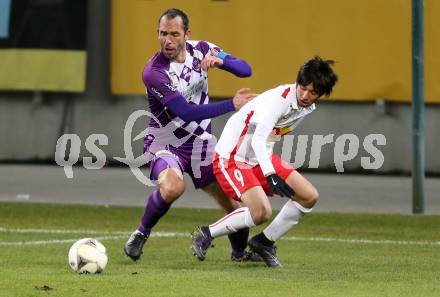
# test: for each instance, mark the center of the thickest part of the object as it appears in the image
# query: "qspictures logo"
(345, 148)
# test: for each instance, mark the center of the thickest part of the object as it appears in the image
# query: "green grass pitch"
(326, 255)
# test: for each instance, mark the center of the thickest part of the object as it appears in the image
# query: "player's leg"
(226, 204)
(256, 211)
(234, 182)
(238, 239)
(167, 172)
(289, 215)
(293, 210)
(305, 193)
(208, 183)
(238, 219)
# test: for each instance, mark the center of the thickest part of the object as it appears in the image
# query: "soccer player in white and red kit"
(248, 171)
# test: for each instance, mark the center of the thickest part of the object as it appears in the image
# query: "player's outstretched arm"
(236, 66)
(192, 112)
(160, 86)
(226, 62)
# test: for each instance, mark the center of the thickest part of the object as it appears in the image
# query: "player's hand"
(242, 97)
(211, 62)
(278, 186)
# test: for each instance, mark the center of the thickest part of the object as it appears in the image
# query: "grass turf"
(325, 255)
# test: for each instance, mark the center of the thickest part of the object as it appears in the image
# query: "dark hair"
(174, 12)
(318, 72)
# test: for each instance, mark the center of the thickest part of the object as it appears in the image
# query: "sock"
(232, 222)
(239, 240)
(288, 217)
(155, 209)
(263, 239)
(205, 230)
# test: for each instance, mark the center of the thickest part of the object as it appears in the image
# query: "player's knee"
(311, 198)
(267, 214)
(314, 197)
(171, 191)
(261, 215)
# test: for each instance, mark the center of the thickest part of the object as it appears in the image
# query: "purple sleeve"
(193, 112)
(236, 66)
(159, 85)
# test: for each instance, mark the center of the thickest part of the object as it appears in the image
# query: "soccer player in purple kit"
(180, 138)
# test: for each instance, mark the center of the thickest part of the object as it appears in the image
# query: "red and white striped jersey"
(249, 135)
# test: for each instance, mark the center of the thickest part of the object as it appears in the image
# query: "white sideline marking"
(55, 231)
(44, 242)
(368, 241)
(106, 235)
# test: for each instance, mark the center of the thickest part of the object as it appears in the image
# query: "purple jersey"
(166, 80)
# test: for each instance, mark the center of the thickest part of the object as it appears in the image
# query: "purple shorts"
(200, 171)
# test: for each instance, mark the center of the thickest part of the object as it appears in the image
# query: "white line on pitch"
(44, 242)
(107, 235)
(57, 231)
(366, 241)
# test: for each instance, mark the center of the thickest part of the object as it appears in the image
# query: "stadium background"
(371, 41)
(73, 66)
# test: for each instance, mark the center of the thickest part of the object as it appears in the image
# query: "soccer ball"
(88, 255)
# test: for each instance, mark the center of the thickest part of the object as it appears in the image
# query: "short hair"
(174, 12)
(318, 72)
